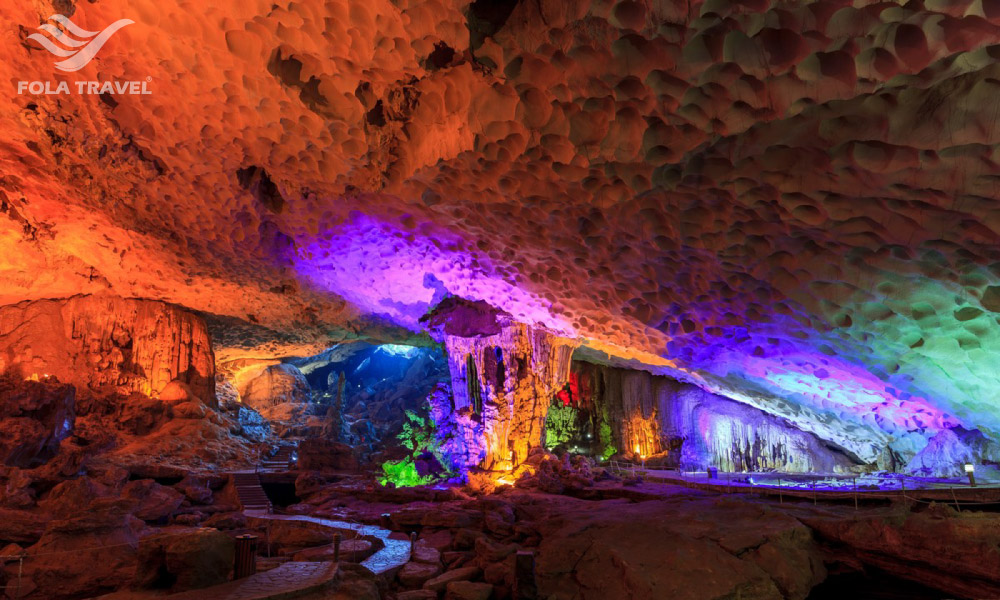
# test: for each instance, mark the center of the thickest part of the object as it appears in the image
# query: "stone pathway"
(394, 555)
(296, 578)
(287, 581)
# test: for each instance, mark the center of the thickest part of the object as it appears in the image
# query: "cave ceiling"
(793, 203)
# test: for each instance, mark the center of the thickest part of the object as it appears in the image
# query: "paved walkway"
(393, 555)
(296, 578)
(288, 580)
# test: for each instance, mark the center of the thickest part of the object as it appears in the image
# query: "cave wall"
(105, 344)
(639, 414)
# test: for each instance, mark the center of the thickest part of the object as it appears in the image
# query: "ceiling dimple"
(794, 202)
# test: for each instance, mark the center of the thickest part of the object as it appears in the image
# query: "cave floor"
(662, 540)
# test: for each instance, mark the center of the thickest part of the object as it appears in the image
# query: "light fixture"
(970, 470)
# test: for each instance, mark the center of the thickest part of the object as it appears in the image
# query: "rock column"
(508, 379)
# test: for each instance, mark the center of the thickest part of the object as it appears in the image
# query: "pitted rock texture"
(108, 345)
(791, 202)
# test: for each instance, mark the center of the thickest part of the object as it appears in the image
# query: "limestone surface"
(788, 203)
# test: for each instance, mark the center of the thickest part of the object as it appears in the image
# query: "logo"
(80, 50)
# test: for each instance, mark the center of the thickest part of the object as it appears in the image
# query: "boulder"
(252, 425)
(490, 551)
(226, 520)
(108, 474)
(152, 501)
(21, 525)
(501, 573)
(424, 553)
(189, 519)
(71, 496)
(195, 559)
(195, 489)
(189, 410)
(140, 415)
(87, 555)
(177, 391)
(440, 582)
(17, 490)
(439, 540)
(8, 552)
(468, 590)
(296, 535)
(323, 455)
(35, 416)
(277, 384)
(414, 574)
(417, 595)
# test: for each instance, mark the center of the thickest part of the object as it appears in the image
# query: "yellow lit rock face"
(109, 345)
(508, 380)
(794, 200)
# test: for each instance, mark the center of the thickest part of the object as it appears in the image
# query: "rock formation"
(108, 345)
(788, 204)
(503, 375)
(35, 416)
(276, 384)
(607, 410)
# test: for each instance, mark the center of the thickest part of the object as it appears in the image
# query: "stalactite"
(643, 415)
(107, 344)
(512, 409)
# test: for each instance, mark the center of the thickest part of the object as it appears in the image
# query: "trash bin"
(246, 556)
(713, 473)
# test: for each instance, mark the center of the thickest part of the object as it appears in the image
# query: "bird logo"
(77, 51)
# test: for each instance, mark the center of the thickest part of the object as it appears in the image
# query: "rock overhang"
(792, 206)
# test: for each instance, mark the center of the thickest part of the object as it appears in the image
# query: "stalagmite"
(503, 376)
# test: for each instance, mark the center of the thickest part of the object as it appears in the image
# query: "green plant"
(604, 435)
(560, 424)
(416, 434)
(420, 436)
(403, 473)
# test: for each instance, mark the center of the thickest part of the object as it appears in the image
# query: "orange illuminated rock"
(107, 344)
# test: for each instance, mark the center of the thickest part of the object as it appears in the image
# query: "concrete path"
(287, 581)
(392, 556)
